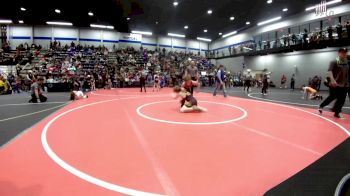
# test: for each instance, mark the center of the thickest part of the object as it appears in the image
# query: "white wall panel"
(303, 64)
(20, 34)
(149, 42)
(42, 36)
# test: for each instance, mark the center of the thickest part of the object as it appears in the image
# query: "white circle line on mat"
(286, 102)
(138, 110)
(77, 172)
(114, 187)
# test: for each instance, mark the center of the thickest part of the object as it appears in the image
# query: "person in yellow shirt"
(310, 93)
(2, 86)
(5, 86)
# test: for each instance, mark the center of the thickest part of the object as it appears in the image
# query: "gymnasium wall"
(88, 36)
(304, 64)
(247, 35)
(234, 65)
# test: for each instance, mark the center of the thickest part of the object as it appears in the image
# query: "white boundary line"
(21, 104)
(163, 178)
(138, 110)
(115, 187)
(29, 114)
(287, 106)
(286, 102)
(78, 173)
(25, 131)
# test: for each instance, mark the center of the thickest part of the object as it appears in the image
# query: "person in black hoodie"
(338, 87)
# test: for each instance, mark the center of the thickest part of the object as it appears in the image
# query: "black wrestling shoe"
(339, 116)
(320, 110)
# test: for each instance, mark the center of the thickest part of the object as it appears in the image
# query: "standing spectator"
(192, 71)
(292, 82)
(247, 82)
(340, 31)
(283, 81)
(338, 74)
(330, 32)
(220, 80)
(265, 83)
(142, 79)
(36, 91)
(305, 36)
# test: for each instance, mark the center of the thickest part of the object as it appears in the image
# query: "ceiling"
(144, 14)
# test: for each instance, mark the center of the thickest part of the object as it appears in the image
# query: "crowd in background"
(92, 67)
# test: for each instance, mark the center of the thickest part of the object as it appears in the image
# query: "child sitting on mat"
(188, 102)
(311, 93)
(75, 95)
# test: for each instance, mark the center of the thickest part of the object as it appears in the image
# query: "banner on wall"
(132, 37)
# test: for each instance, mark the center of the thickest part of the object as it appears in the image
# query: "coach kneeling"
(36, 91)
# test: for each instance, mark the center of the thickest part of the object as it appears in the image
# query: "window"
(315, 26)
(294, 30)
(345, 19)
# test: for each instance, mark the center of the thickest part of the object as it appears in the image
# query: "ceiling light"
(91, 14)
(57, 11)
(175, 35)
(228, 34)
(23, 9)
(128, 18)
(247, 23)
(5, 21)
(285, 9)
(328, 3)
(232, 18)
(204, 39)
(20, 21)
(269, 21)
(157, 22)
(101, 26)
(186, 27)
(142, 32)
(59, 23)
(210, 11)
(220, 33)
(269, 1)
(205, 30)
(176, 3)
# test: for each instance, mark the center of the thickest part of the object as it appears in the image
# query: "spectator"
(36, 91)
(292, 82)
(340, 31)
(348, 29)
(305, 36)
(330, 33)
(338, 74)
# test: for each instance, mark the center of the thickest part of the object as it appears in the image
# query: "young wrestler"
(188, 102)
(188, 84)
(311, 93)
(75, 95)
(156, 82)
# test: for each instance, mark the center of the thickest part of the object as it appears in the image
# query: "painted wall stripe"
(42, 38)
(89, 40)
